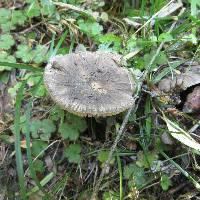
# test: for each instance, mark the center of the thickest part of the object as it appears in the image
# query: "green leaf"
(33, 9)
(24, 52)
(90, 28)
(111, 40)
(68, 131)
(13, 90)
(73, 153)
(146, 159)
(9, 19)
(103, 157)
(165, 37)
(6, 41)
(135, 175)
(34, 127)
(110, 195)
(48, 7)
(4, 57)
(18, 17)
(72, 127)
(76, 122)
(47, 128)
(4, 15)
(57, 113)
(39, 166)
(38, 146)
(28, 54)
(165, 182)
(4, 77)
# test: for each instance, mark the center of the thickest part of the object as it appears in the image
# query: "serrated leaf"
(18, 17)
(73, 153)
(6, 41)
(27, 54)
(48, 126)
(48, 8)
(68, 131)
(89, 27)
(135, 175)
(38, 146)
(181, 135)
(34, 127)
(77, 122)
(9, 19)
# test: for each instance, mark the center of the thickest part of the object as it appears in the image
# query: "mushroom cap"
(89, 84)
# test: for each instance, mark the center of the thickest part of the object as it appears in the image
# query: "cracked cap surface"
(89, 84)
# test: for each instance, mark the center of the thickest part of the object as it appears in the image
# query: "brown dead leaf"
(181, 81)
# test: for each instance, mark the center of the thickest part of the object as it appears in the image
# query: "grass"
(138, 143)
(19, 161)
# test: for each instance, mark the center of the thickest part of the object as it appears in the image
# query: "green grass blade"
(64, 35)
(43, 182)
(19, 161)
(120, 177)
(21, 66)
(186, 174)
(28, 140)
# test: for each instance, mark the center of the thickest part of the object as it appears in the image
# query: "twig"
(30, 28)
(155, 15)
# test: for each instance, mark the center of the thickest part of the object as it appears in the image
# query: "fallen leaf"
(181, 135)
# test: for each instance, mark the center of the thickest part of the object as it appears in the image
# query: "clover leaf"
(6, 41)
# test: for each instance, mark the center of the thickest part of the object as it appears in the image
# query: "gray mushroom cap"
(89, 84)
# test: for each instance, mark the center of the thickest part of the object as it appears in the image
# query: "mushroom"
(90, 83)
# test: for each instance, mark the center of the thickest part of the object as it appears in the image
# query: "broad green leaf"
(34, 127)
(28, 54)
(90, 27)
(6, 41)
(38, 146)
(135, 175)
(110, 195)
(68, 131)
(111, 40)
(181, 135)
(47, 129)
(76, 122)
(73, 153)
